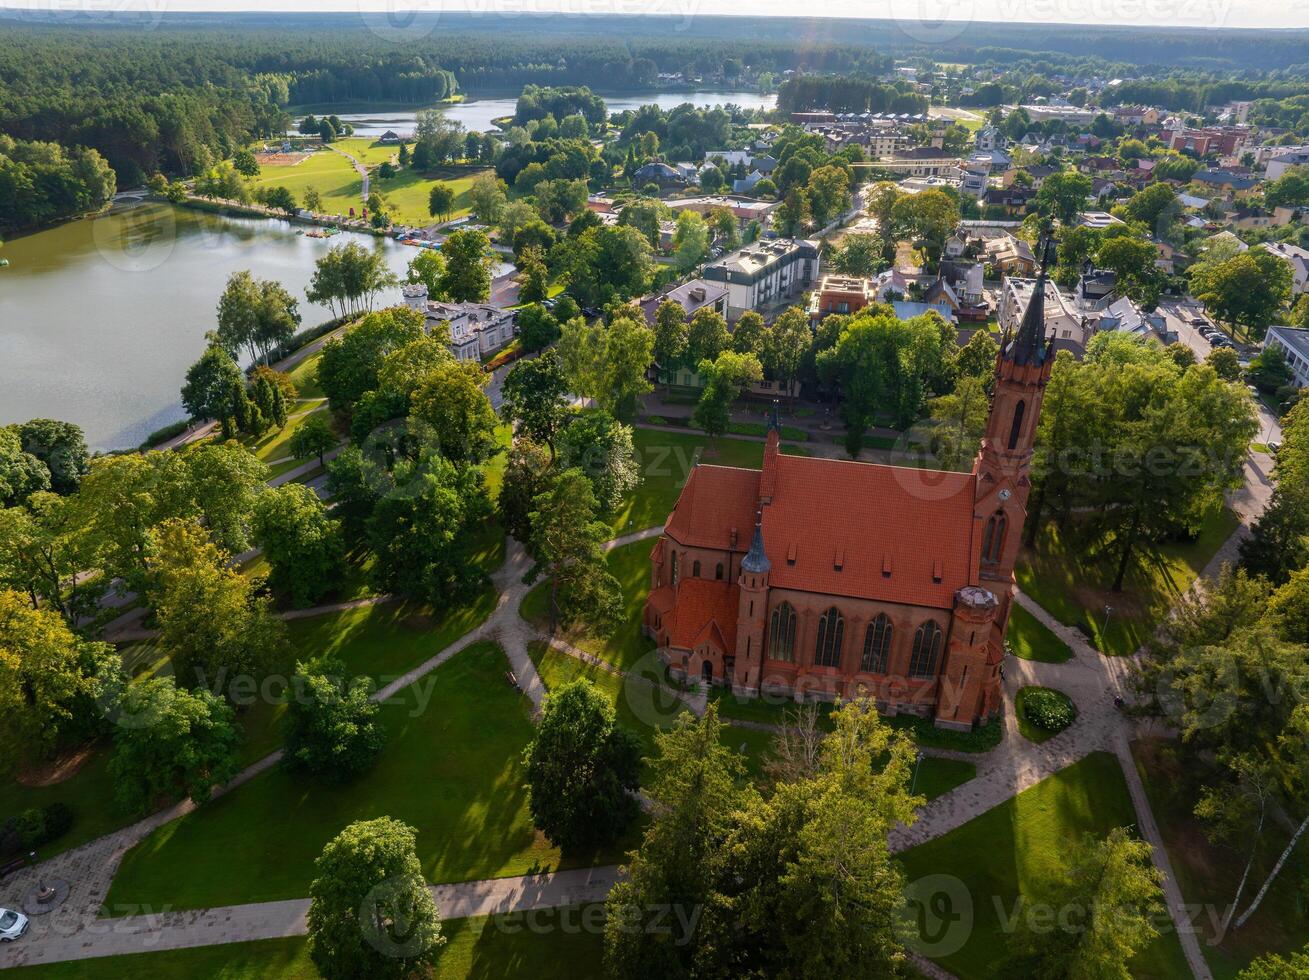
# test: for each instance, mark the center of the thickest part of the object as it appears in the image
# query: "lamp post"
(1107, 610)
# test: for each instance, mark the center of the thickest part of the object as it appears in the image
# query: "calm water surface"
(99, 319)
(476, 114)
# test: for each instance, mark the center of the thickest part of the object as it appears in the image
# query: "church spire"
(756, 559)
(1029, 345)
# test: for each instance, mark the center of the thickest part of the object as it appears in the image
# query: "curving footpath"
(77, 931)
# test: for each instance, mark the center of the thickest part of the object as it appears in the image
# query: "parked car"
(12, 925)
(1199, 321)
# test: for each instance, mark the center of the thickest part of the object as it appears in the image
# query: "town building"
(1297, 258)
(1288, 157)
(1066, 327)
(819, 578)
(765, 273)
(1294, 342)
(477, 330)
(840, 294)
(693, 296)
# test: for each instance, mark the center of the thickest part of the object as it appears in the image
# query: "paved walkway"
(152, 932)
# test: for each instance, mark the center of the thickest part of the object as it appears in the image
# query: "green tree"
(313, 201)
(1225, 362)
(487, 198)
(1133, 260)
(582, 769)
(1272, 966)
(170, 743)
(427, 268)
(313, 438)
(567, 547)
(789, 340)
(281, 199)
(441, 202)
(724, 378)
(468, 264)
(690, 240)
(707, 336)
(829, 194)
(370, 913)
(43, 548)
(601, 447)
(452, 402)
(303, 546)
(423, 531)
(859, 255)
(627, 355)
(695, 783)
(1250, 289)
(1269, 370)
(331, 727)
(534, 276)
(21, 473)
(224, 478)
(207, 392)
(931, 216)
(348, 279)
(670, 338)
(1116, 892)
(534, 399)
(212, 624)
(61, 446)
(528, 474)
(958, 421)
(537, 327)
(50, 681)
(1063, 195)
(1152, 206)
(348, 367)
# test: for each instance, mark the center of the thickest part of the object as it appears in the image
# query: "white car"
(12, 925)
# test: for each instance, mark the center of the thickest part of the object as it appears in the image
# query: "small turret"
(756, 559)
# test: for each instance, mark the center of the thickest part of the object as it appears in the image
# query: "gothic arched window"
(718, 572)
(672, 564)
(831, 631)
(993, 540)
(1016, 429)
(781, 637)
(695, 568)
(877, 646)
(927, 650)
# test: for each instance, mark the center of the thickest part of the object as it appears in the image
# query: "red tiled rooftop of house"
(701, 605)
(714, 500)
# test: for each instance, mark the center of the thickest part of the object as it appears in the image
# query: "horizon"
(927, 24)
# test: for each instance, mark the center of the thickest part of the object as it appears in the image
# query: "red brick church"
(821, 578)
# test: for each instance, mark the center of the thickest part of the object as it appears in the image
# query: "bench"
(509, 676)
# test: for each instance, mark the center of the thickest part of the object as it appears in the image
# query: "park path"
(359, 169)
(75, 931)
(153, 932)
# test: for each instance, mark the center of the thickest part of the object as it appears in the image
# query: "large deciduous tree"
(331, 725)
(170, 743)
(582, 769)
(566, 545)
(370, 912)
(303, 546)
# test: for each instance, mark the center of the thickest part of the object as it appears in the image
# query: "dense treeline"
(40, 182)
(537, 102)
(841, 93)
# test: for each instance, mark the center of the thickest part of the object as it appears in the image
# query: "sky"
(925, 16)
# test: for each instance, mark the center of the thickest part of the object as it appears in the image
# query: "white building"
(1297, 258)
(764, 273)
(1294, 342)
(1068, 328)
(477, 330)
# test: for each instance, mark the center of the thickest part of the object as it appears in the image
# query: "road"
(1177, 314)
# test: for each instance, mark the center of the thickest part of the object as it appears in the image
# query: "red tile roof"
(866, 518)
(714, 500)
(866, 514)
(704, 609)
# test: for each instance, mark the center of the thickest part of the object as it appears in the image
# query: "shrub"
(30, 826)
(58, 821)
(1048, 709)
(167, 432)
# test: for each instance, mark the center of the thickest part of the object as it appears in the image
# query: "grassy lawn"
(305, 376)
(1029, 729)
(1030, 639)
(630, 564)
(499, 946)
(451, 768)
(89, 792)
(638, 711)
(408, 191)
(1207, 874)
(1019, 847)
(276, 443)
(665, 460)
(330, 173)
(1071, 581)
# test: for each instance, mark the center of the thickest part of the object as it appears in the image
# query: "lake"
(476, 114)
(100, 318)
